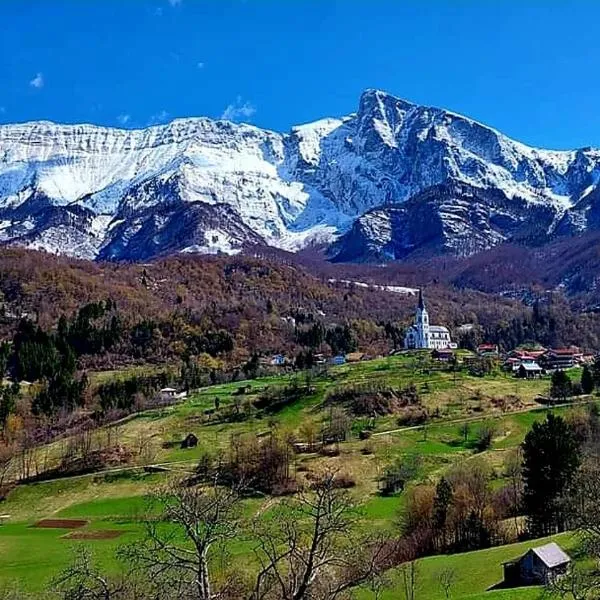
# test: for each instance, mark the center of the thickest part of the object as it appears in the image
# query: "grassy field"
(114, 500)
(475, 574)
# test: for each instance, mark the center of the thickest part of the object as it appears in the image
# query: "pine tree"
(551, 457)
(441, 505)
(561, 385)
(587, 380)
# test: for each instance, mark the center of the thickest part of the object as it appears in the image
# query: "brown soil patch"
(61, 523)
(104, 534)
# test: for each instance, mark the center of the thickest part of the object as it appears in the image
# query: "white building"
(424, 335)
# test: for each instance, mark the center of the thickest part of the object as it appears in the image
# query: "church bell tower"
(422, 323)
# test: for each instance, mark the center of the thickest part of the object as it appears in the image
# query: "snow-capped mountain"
(392, 179)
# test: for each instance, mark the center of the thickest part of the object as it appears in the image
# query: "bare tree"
(308, 549)
(179, 545)
(81, 580)
(7, 463)
(410, 579)
(446, 579)
(578, 584)
(513, 469)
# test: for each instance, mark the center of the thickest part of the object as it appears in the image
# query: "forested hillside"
(265, 305)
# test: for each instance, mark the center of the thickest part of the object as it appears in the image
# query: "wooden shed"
(538, 566)
(190, 441)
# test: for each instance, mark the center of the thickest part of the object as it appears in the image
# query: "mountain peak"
(205, 185)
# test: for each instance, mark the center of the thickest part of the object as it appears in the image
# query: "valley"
(115, 500)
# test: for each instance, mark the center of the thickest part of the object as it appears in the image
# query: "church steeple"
(422, 323)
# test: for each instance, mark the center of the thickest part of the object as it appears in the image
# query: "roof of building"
(487, 347)
(562, 351)
(421, 300)
(168, 389)
(552, 555)
(530, 366)
(438, 329)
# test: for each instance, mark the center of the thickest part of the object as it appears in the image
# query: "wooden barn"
(538, 566)
(190, 441)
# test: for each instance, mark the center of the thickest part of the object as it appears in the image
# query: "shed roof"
(552, 555)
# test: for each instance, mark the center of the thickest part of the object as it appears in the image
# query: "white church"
(423, 335)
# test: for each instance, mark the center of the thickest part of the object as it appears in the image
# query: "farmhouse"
(340, 359)
(278, 360)
(167, 394)
(422, 335)
(529, 370)
(561, 358)
(538, 566)
(488, 350)
(446, 355)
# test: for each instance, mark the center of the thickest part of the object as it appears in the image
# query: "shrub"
(485, 435)
(373, 400)
(413, 416)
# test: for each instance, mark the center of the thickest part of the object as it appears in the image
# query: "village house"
(488, 350)
(516, 358)
(561, 358)
(445, 355)
(320, 359)
(167, 394)
(278, 360)
(422, 335)
(538, 566)
(529, 370)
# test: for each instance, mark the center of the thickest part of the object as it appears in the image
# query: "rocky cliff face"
(393, 179)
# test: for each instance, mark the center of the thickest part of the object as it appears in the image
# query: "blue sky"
(529, 68)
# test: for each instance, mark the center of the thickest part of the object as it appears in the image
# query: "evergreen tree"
(596, 371)
(251, 367)
(587, 380)
(441, 505)
(8, 401)
(561, 386)
(551, 457)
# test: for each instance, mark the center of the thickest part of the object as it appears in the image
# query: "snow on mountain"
(199, 185)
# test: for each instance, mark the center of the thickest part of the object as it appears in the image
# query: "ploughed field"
(44, 522)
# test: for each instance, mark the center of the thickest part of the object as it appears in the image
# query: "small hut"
(190, 441)
(538, 566)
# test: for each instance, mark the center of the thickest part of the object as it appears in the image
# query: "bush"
(373, 400)
(413, 416)
(274, 399)
(398, 474)
(344, 481)
(485, 435)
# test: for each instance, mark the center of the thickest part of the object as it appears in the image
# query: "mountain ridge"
(212, 186)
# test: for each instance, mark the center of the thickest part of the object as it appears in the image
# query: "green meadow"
(116, 500)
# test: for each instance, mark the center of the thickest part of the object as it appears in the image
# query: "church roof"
(438, 329)
(421, 300)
